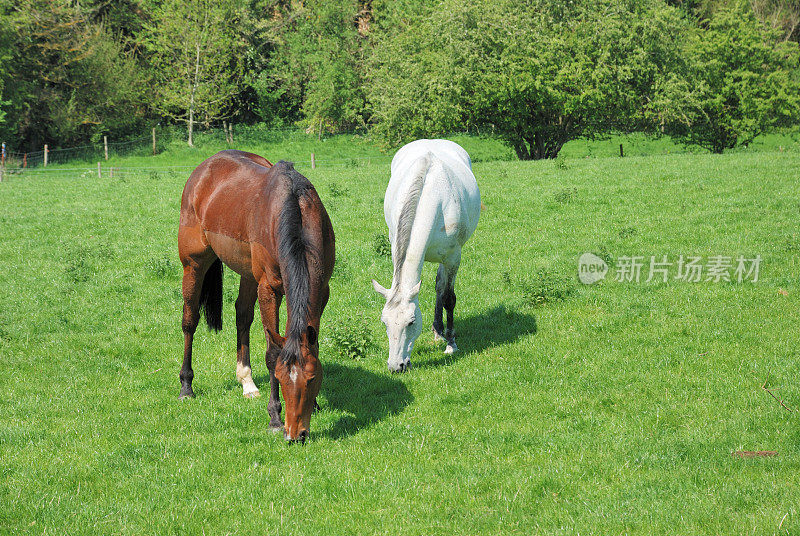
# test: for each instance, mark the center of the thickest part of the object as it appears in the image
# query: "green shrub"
(381, 245)
(338, 191)
(543, 286)
(352, 339)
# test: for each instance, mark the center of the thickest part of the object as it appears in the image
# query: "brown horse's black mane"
(292, 246)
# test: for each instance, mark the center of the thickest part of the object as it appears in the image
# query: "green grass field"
(606, 409)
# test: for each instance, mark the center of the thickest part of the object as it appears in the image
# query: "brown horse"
(267, 224)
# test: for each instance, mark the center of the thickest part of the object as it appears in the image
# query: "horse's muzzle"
(301, 437)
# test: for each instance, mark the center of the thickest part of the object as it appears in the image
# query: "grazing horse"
(267, 224)
(431, 207)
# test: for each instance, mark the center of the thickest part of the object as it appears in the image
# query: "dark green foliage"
(533, 74)
(338, 191)
(352, 339)
(540, 287)
(567, 195)
(316, 64)
(381, 245)
(733, 81)
(67, 77)
(580, 70)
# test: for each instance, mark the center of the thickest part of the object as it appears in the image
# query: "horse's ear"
(380, 290)
(415, 290)
(311, 335)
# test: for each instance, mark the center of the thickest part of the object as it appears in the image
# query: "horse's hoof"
(436, 335)
(451, 348)
(275, 429)
(184, 396)
(253, 394)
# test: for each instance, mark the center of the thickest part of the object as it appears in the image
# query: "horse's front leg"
(269, 302)
(248, 291)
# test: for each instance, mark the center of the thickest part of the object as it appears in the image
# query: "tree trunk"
(194, 88)
(521, 149)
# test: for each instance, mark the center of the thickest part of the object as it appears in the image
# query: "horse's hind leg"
(248, 292)
(438, 324)
(446, 295)
(193, 273)
(196, 257)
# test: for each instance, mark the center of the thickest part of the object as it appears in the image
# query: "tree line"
(535, 73)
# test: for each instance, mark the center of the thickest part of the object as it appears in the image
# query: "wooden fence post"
(154, 141)
(105, 145)
(225, 132)
(621, 154)
(25, 161)
(313, 162)
(230, 133)
(99, 171)
(45, 155)
(111, 173)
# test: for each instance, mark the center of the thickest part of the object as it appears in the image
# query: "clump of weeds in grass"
(338, 191)
(792, 244)
(567, 195)
(627, 232)
(561, 164)
(77, 267)
(542, 286)
(352, 338)
(161, 266)
(381, 245)
(341, 270)
(155, 175)
(602, 252)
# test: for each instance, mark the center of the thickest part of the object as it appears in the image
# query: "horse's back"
(448, 151)
(450, 188)
(221, 190)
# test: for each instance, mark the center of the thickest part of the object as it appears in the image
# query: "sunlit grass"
(595, 410)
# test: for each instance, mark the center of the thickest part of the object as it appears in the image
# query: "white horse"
(431, 207)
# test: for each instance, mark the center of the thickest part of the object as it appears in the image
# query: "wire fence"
(94, 158)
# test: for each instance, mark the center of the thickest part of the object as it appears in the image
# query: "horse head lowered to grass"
(267, 223)
(432, 205)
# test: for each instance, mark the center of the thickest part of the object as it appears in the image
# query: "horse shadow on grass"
(363, 397)
(474, 334)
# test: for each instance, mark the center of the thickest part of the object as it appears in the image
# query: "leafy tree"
(67, 78)
(317, 63)
(194, 52)
(5, 56)
(537, 74)
(733, 83)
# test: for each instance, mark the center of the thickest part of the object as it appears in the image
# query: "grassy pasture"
(604, 409)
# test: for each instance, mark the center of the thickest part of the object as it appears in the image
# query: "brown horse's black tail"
(211, 296)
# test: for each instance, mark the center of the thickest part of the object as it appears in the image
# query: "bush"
(352, 339)
(544, 286)
(338, 191)
(381, 245)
